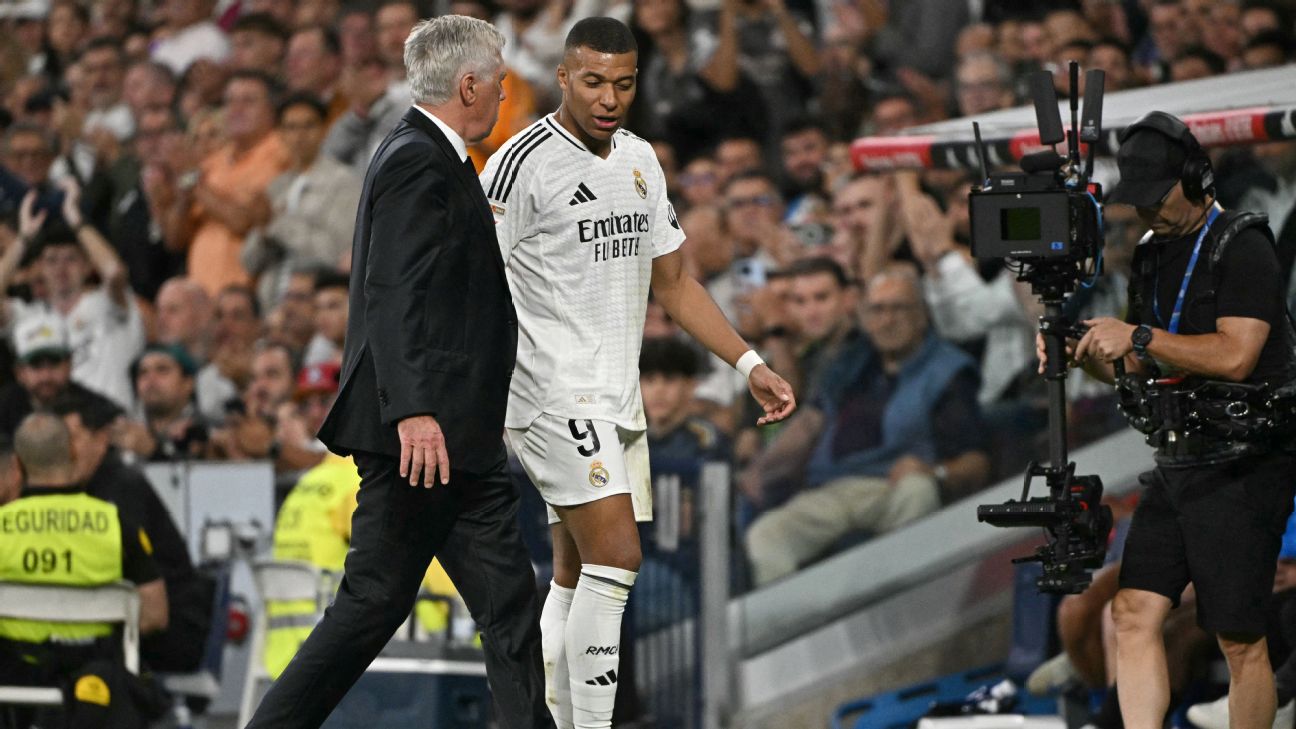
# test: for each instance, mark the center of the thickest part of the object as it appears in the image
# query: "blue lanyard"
(1173, 328)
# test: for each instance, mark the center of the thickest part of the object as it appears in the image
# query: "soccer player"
(586, 229)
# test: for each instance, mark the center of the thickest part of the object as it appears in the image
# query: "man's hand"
(29, 221)
(423, 451)
(72, 203)
(908, 465)
(1042, 354)
(773, 393)
(1107, 340)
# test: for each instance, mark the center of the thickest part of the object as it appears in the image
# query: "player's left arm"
(689, 304)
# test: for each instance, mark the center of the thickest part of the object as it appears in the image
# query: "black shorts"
(1219, 527)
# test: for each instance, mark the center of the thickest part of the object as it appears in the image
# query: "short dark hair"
(669, 356)
(818, 265)
(1111, 41)
(1276, 38)
(247, 293)
(328, 36)
(747, 175)
(263, 23)
(1213, 60)
(601, 34)
(109, 42)
(272, 87)
(302, 98)
(55, 232)
(802, 124)
(96, 412)
(331, 279)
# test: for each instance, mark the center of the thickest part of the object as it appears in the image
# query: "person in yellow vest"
(56, 534)
(314, 526)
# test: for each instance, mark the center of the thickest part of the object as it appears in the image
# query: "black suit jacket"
(432, 327)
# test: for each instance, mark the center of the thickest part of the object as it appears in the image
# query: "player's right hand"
(772, 392)
(423, 451)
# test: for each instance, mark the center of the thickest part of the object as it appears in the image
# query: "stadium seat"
(113, 603)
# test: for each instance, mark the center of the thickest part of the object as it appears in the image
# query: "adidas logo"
(606, 679)
(583, 195)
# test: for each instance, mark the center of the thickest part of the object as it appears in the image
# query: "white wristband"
(748, 362)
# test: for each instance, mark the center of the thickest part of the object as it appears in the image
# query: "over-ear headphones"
(1197, 175)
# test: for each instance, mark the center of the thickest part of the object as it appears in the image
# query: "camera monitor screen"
(1019, 223)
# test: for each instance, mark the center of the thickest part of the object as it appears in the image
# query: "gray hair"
(440, 51)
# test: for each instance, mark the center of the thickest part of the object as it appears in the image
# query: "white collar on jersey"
(456, 141)
(551, 120)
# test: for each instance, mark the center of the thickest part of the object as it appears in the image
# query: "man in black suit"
(431, 343)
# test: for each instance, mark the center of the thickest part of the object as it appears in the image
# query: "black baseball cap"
(1150, 164)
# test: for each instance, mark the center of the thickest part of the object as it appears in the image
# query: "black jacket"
(432, 326)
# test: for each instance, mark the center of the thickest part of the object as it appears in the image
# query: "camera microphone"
(1046, 161)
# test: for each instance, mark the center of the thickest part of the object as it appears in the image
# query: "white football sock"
(594, 642)
(553, 626)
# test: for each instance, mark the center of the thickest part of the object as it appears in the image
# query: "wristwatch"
(1141, 337)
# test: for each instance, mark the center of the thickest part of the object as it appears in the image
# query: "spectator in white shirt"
(103, 323)
(188, 34)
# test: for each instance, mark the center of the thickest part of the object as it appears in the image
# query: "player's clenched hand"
(773, 393)
(423, 451)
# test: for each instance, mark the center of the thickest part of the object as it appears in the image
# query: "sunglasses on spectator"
(763, 201)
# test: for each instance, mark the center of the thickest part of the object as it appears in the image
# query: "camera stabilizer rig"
(1047, 222)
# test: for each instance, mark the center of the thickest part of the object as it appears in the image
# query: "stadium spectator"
(330, 316)
(184, 317)
(1259, 16)
(148, 85)
(229, 369)
(754, 221)
(313, 65)
(104, 64)
(1170, 32)
(188, 34)
(804, 154)
(43, 372)
(1267, 49)
(312, 205)
(103, 324)
(1196, 62)
(378, 92)
(690, 90)
(257, 43)
(699, 183)
(172, 428)
(293, 322)
(893, 432)
(736, 155)
(983, 83)
(1113, 58)
(892, 111)
(127, 198)
(867, 234)
(217, 207)
(820, 309)
(28, 151)
(273, 380)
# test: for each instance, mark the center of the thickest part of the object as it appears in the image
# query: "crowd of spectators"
(178, 184)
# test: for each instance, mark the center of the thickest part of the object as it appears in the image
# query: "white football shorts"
(573, 462)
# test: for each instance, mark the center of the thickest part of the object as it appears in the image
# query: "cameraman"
(1206, 304)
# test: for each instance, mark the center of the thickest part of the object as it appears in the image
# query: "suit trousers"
(470, 524)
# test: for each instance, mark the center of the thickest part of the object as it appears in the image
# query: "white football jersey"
(578, 234)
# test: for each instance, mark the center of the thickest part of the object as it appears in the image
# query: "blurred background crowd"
(178, 183)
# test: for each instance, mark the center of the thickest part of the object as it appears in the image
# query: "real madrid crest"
(599, 475)
(641, 187)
